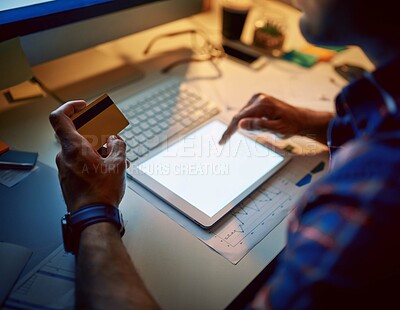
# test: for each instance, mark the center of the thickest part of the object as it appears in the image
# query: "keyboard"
(161, 112)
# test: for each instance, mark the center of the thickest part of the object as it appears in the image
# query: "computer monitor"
(49, 29)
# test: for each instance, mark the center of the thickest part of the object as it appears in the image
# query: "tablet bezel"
(184, 206)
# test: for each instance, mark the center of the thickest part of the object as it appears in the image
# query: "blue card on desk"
(18, 160)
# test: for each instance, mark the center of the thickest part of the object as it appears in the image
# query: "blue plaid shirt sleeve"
(338, 236)
(343, 246)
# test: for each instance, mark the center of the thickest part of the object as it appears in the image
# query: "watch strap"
(74, 223)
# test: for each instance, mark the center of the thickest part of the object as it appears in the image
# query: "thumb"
(116, 148)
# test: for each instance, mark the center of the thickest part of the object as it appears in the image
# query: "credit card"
(99, 120)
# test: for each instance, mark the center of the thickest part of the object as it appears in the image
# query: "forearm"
(315, 125)
(106, 277)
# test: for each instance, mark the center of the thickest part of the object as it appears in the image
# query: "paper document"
(258, 214)
(314, 88)
(13, 260)
(50, 285)
(11, 177)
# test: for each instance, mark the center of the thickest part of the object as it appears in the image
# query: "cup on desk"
(234, 14)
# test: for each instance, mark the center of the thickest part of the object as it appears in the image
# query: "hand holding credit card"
(99, 120)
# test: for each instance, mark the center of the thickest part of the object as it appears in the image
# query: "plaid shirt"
(343, 246)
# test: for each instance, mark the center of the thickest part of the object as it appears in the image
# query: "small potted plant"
(269, 36)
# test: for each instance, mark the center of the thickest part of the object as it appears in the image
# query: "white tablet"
(203, 179)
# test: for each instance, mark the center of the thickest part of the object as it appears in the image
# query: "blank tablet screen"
(207, 175)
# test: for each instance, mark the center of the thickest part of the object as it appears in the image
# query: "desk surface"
(179, 270)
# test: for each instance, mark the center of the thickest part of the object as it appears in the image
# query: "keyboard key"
(156, 129)
(149, 113)
(177, 117)
(124, 108)
(148, 134)
(164, 125)
(128, 135)
(141, 138)
(159, 117)
(173, 130)
(167, 113)
(132, 143)
(171, 121)
(200, 103)
(196, 115)
(184, 113)
(131, 156)
(152, 122)
(214, 111)
(139, 108)
(137, 130)
(186, 122)
(171, 102)
(190, 109)
(144, 125)
(135, 121)
(130, 113)
(142, 117)
(155, 141)
(140, 150)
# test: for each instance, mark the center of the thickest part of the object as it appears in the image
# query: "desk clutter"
(15, 166)
(310, 55)
(29, 237)
(49, 285)
(13, 260)
(270, 33)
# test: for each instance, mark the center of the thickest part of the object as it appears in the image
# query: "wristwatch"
(74, 223)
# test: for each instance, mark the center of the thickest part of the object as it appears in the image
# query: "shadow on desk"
(31, 212)
(248, 294)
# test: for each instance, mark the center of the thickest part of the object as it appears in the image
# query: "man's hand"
(106, 277)
(267, 113)
(85, 176)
